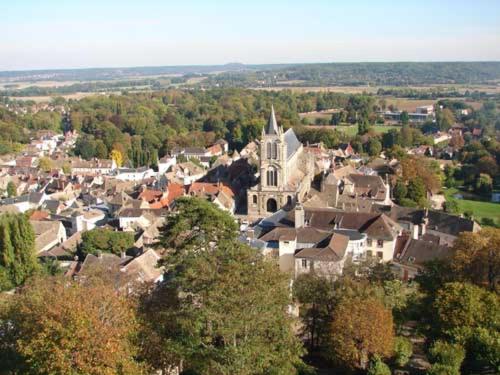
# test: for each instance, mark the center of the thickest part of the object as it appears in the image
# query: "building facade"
(286, 171)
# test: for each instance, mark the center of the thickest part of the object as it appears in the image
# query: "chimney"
(122, 255)
(250, 234)
(299, 216)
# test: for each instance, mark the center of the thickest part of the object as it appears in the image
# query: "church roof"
(272, 125)
(292, 143)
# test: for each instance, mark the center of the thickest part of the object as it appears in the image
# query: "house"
(134, 174)
(129, 218)
(186, 173)
(221, 195)
(48, 234)
(25, 202)
(327, 261)
(165, 163)
(144, 268)
(415, 254)
(370, 235)
(94, 166)
(441, 137)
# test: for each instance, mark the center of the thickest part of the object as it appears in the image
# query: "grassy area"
(479, 209)
(352, 130)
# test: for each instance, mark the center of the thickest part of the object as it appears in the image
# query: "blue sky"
(74, 33)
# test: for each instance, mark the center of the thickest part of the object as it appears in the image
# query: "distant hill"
(324, 74)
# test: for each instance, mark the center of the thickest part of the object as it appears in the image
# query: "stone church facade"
(286, 171)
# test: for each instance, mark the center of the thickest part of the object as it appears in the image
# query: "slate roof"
(292, 143)
(418, 252)
(272, 125)
(333, 252)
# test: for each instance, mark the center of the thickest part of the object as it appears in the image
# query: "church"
(286, 171)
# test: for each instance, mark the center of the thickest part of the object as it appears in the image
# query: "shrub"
(447, 358)
(378, 367)
(403, 349)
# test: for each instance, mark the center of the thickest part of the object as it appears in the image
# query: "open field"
(352, 130)
(479, 209)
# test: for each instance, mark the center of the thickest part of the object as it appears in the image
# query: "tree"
(462, 309)
(224, 307)
(11, 189)
(17, 250)
(403, 349)
(399, 191)
(445, 119)
(484, 184)
(447, 358)
(55, 326)
(405, 119)
(477, 257)
(45, 164)
(374, 147)
(363, 126)
(361, 328)
(317, 298)
(105, 240)
(378, 367)
(117, 157)
(416, 190)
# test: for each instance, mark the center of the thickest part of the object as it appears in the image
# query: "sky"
(38, 34)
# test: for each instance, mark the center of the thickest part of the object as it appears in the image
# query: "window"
(369, 253)
(272, 177)
(380, 243)
(304, 263)
(369, 242)
(268, 150)
(380, 254)
(275, 150)
(254, 199)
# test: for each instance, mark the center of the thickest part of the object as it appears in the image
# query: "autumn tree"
(55, 326)
(361, 328)
(223, 309)
(477, 257)
(117, 157)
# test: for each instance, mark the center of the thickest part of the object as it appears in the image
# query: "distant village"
(311, 208)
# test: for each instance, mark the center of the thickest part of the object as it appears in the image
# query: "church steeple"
(272, 125)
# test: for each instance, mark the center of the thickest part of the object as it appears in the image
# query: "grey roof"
(292, 143)
(272, 125)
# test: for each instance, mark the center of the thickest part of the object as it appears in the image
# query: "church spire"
(272, 125)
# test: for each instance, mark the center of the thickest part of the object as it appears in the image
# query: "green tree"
(374, 147)
(11, 189)
(399, 191)
(484, 184)
(378, 367)
(17, 249)
(105, 240)
(45, 164)
(223, 309)
(405, 119)
(416, 190)
(403, 349)
(447, 358)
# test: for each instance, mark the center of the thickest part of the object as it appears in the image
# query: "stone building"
(286, 171)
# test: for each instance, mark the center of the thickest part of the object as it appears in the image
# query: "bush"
(378, 367)
(447, 357)
(403, 349)
(405, 202)
(439, 369)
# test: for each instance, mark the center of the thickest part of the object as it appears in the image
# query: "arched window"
(275, 150)
(272, 177)
(254, 199)
(268, 149)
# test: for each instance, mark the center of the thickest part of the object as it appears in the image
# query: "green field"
(352, 130)
(479, 209)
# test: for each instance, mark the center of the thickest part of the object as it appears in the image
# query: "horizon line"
(248, 64)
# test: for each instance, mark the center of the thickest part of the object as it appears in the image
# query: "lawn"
(352, 130)
(479, 209)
